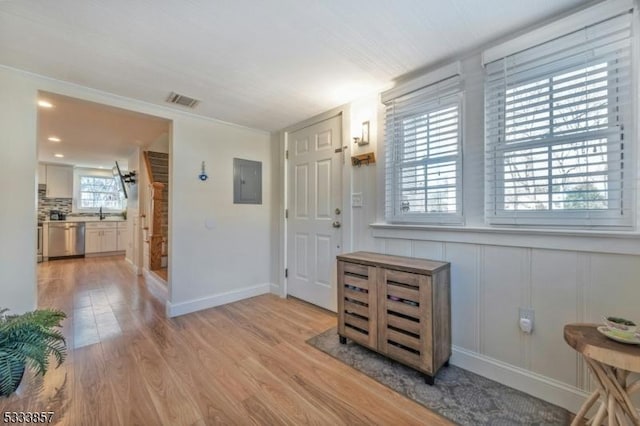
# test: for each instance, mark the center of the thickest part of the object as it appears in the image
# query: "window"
(99, 191)
(557, 144)
(423, 139)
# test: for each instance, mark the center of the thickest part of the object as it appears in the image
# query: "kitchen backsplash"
(47, 204)
(64, 205)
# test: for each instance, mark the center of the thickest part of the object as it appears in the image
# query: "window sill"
(96, 211)
(618, 242)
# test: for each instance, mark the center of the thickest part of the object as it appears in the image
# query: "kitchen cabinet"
(45, 240)
(59, 181)
(42, 174)
(92, 241)
(101, 237)
(397, 306)
(123, 236)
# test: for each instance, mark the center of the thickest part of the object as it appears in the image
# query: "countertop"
(85, 219)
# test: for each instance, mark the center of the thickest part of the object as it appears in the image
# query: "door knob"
(337, 224)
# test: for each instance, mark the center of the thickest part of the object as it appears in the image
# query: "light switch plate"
(356, 199)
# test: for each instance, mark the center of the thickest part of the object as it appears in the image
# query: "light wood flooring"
(162, 273)
(240, 364)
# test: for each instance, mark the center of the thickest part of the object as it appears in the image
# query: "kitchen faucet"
(102, 216)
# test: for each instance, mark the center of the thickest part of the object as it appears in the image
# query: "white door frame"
(347, 228)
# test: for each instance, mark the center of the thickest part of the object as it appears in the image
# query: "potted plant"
(29, 339)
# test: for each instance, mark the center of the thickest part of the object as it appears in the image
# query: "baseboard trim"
(155, 285)
(274, 289)
(106, 253)
(134, 268)
(545, 388)
(193, 305)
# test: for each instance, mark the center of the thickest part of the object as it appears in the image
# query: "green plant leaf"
(29, 339)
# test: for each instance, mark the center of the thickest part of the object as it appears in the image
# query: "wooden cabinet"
(59, 181)
(101, 237)
(397, 306)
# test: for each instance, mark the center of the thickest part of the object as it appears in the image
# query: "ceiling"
(262, 64)
(91, 134)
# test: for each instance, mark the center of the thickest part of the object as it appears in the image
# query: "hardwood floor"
(242, 363)
(162, 273)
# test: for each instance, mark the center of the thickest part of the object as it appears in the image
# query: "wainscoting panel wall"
(465, 298)
(489, 282)
(555, 287)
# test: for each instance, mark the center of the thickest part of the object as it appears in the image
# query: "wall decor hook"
(363, 159)
(203, 174)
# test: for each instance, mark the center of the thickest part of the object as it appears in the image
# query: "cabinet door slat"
(403, 308)
(404, 340)
(355, 308)
(403, 292)
(356, 295)
(403, 324)
(357, 336)
(401, 277)
(356, 281)
(404, 356)
(354, 268)
(356, 322)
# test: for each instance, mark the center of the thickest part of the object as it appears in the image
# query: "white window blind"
(99, 191)
(423, 154)
(558, 132)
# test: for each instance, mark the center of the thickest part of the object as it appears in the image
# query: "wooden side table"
(610, 364)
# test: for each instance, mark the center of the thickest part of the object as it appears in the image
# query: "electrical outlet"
(526, 319)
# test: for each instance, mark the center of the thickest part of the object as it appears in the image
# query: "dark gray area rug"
(459, 395)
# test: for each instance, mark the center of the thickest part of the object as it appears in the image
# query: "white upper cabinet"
(42, 174)
(59, 181)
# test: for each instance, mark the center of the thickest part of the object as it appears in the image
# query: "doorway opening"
(79, 143)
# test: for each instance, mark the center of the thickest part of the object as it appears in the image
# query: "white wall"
(564, 276)
(161, 144)
(277, 209)
(217, 247)
(134, 253)
(208, 267)
(18, 188)
(363, 179)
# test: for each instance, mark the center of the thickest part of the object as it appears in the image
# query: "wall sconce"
(364, 139)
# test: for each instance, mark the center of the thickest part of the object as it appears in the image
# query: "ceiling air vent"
(175, 98)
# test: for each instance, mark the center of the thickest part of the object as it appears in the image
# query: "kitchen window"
(558, 139)
(423, 139)
(99, 191)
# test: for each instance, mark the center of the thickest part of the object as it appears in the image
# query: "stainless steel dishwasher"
(66, 239)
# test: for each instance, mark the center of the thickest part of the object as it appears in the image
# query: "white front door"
(315, 203)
